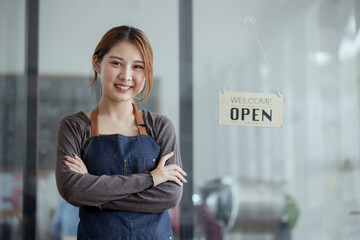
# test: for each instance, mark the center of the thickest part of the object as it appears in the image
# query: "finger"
(70, 159)
(80, 168)
(177, 168)
(80, 163)
(180, 177)
(73, 167)
(73, 161)
(165, 158)
(79, 160)
(176, 180)
(76, 157)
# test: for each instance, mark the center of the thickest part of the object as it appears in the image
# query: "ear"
(96, 64)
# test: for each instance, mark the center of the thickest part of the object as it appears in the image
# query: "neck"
(115, 110)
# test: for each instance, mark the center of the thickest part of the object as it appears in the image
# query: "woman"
(120, 165)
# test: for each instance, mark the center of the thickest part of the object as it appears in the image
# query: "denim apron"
(117, 154)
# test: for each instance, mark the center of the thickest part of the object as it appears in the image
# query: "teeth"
(122, 87)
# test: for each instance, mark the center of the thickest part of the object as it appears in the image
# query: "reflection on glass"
(12, 115)
(65, 66)
(59, 96)
(230, 205)
(65, 221)
(313, 49)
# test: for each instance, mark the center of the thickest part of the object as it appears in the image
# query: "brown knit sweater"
(135, 192)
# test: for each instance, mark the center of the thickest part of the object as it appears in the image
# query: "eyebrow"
(120, 58)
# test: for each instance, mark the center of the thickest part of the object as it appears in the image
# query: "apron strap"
(94, 122)
(138, 119)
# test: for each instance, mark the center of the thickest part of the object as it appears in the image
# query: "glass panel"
(300, 181)
(67, 42)
(12, 115)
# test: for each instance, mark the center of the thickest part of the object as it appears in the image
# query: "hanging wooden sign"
(251, 109)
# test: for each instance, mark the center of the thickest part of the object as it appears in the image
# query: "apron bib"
(117, 154)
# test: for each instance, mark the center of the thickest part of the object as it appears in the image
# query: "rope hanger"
(249, 20)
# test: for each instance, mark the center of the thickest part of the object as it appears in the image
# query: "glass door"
(12, 112)
(67, 43)
(300, 181)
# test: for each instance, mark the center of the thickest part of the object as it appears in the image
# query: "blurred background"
(301, 181)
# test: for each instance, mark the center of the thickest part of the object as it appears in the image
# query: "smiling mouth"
(123, 87)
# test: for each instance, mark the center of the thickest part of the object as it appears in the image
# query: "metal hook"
(250, 19)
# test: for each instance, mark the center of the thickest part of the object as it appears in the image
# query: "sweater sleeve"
(86, 189)
(163, 196)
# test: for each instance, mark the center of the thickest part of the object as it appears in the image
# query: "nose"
(126, 73)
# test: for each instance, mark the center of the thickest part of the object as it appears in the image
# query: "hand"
(171, 172)
(75, 164)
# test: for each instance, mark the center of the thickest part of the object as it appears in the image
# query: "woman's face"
(122, 72)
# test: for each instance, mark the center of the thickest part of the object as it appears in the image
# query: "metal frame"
(186, 116)
(30, 163)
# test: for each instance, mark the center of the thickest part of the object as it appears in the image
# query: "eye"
(115, 63)
(138, 67)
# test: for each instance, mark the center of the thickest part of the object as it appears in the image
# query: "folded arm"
(85, 189)
(108, 192)
(156, 199)
(161, 197)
